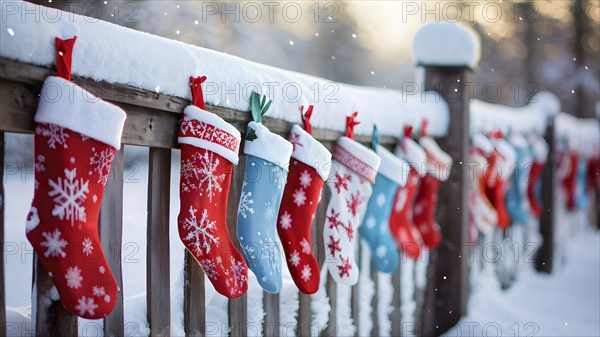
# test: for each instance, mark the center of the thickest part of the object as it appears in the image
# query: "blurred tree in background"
(527, 46)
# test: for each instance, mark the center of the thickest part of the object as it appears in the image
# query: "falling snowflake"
(334, 221)
(54, 244)
(269, 211)
(73, 277)
(56, 135)
(306, 248)
(333, 246)
(371, 222)
(285, 220)
(246, 203)
(201, 234)
(341, 182)
(101, 162)
(39, 163)
(98, 291)
(354, 202)
(299, 197)
(101, 269)
(305, 179)
(294, 258)
(88, 246)
(306, 273)
(380, 199)
(86, 304)
(380, 251)
(209, 269)
(345, 267)
(68, 197)
(238, 270)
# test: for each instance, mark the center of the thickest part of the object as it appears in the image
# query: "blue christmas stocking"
(516, 197)
(375, 229)
(266, 172)
(581, 197)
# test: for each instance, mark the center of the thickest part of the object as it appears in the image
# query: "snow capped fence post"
(448, 51)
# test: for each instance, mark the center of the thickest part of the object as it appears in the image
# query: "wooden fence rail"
(152, 122)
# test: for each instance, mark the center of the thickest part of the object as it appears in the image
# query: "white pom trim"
(392, 167)
(414, 155)
(268, 146)
(439, 163)
(483, 143)
(193, 112)
(66, 104)
(311, 152)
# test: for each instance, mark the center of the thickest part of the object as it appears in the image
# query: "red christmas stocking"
(499, 172)
(483, 216)
(309, 168)
(539, 149)
(568, 181)
(76, 138)
(209, 149)
(438, 169)
(593, 178)
(403, 229)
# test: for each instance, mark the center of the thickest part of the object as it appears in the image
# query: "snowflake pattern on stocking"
(345, 267)
(354, 203)
(306, 273)
(306, 248)
(285, 220)
(86, 304)
(334, 221)
(201, 172)
(209, 268)
(39, 163)
(305, 179)
(341, 182)
(380, 199)
(269, 211)
(299, 197)
(100, 162)
(87, 246)
(54, 244)
(295, 258)
(100, 292)
(349, 230)
(237, 270)
(56, 135)
(246, 203)
(68, 197)
(333, 246)
(73, 277)
(201, 233)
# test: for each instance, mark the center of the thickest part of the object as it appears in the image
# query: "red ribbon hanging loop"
(64, 55)
(196, 87)
(306, 117)
(351, 122)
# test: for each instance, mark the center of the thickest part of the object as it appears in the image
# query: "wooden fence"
(152, 121)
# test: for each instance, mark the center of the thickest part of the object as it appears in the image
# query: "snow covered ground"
(566, 303)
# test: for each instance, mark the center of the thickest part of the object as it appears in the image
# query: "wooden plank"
(451, 278)
(2, 289)
(374, 302)
(21, 83)
(237, 308)
(51, 318)
(194, 310)
(418, 296)
(271, 326)
(332, 327)
(111, 230)
(545, 255)
(395, 315)
(158, 291)
(303, 326)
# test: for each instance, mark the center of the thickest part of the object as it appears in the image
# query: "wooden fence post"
(158, 285)
(545, 254)
(111, 229)
(396, 315)
(446, 293)
(194, 310)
